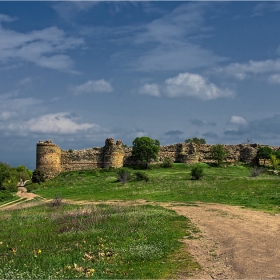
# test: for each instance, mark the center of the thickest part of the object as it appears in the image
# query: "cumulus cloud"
(44, 47)
(187, 85)
(92, 86)
(194, 85)
(59, 123)
(150, 89)
(237, 120)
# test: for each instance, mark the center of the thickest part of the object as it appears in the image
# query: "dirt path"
(236, 244)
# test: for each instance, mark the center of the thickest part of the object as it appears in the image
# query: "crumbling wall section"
(52, 160)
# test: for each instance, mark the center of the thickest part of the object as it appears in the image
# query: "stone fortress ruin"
(52, 160)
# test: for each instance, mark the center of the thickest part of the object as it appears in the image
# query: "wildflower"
(1, 242)
(90, 272)
(39, 251)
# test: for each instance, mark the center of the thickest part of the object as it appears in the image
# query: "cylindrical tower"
(48, 158)
(113, 153)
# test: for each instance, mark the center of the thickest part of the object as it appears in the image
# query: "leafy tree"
(196, 140)
(145, 149)
(264, 153)
(4, 172)
(218, 153)
(38, 176)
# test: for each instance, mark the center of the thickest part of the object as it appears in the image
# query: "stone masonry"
(52, 160)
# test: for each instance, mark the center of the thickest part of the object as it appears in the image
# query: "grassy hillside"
(231, 185)
(61, 240)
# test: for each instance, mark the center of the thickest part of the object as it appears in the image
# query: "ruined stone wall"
(52, 160)
(190, 153)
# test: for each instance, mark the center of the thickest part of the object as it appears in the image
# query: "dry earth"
(234, 243)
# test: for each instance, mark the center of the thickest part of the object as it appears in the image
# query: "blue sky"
(80, 72)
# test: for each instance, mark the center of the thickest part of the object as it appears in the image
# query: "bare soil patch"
(236, 243)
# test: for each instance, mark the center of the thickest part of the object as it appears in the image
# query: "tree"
(264, 153)
(38, 176)
(196, 140)
(218, 153)
(145, 149)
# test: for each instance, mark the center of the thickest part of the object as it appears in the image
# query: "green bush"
(196, 172)
(5, 195)
(123, 175)
(141, 176)
(167, 162)
(38, 176)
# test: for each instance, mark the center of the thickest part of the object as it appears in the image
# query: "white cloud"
(274, 79)
(241, 70)
(187, 85)
(194, 85)
(41, 47)
(59, 123)
(150, 89)
(237, 120)
(92, 86)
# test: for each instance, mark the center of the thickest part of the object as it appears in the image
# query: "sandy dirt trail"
(236, 243)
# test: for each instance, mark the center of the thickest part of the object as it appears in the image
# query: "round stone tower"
(48, 158)
(113, 153)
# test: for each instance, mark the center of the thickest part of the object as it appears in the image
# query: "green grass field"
(113, 241)
(230, 185)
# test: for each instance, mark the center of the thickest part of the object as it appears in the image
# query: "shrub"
(196, 140)
(196, 172)
(167, 162)
(256, 171)
(274, 160)
(123, 175)
(141, 176)
(38, 176)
